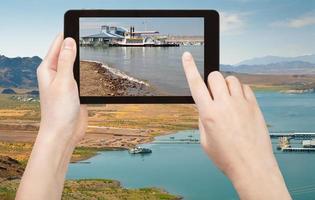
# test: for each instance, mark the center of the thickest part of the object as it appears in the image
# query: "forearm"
(260, 182)
(46, 169)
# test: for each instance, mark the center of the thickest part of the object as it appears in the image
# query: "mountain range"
(285, 67)
(20, 72)
(274, 65)
(277, 59)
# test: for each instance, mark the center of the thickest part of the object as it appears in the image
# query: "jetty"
(308, 141)
(296, 136)
(298, 149)
(178, 141)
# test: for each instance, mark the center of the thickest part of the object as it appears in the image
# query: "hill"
(277, 59)
(8, 91)
(292, 67)
(18, 71)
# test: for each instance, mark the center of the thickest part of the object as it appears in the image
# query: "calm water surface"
(161, 67)
(185, 170)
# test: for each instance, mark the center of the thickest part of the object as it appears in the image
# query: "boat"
(139, 150)
(114, 36)
(134, 38)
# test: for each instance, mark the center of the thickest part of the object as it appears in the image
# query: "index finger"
(198, 88)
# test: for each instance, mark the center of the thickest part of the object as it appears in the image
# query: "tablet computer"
(134, 56)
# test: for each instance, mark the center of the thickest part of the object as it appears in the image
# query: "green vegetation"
(20, 151)
(98, 189)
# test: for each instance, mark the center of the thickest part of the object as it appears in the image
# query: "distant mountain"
(8, 91)
(277, 59)
(18, 71)
(293, 67)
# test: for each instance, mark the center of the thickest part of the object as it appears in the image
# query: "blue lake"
(185, 170)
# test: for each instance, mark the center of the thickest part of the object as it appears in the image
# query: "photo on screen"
(138, 56)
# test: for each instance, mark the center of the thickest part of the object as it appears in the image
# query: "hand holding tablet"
(135, 56)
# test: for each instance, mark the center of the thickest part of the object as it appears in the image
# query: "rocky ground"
(96, 80)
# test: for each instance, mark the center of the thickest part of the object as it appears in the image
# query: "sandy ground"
(117, 126)
(97, 136)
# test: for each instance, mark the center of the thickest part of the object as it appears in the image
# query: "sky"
(166, 26)
(249, 28)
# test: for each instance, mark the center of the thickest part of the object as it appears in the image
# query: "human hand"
(234, 135)
(61, 111)
(63, 124)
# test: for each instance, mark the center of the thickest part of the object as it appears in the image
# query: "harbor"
(128, 57)
(118, 36)
(304, 142)
(176, 167)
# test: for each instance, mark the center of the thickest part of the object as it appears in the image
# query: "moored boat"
(139, 150)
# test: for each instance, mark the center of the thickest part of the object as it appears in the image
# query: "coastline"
(111, 127)
(284, 83)
(98, 79)
(99, 188)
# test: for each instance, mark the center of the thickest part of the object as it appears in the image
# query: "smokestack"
(104, 29)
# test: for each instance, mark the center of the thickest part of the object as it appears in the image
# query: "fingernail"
(68, 44)
(187, 56)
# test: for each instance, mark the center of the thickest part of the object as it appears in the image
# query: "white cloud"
(299, 22)
(231, 23)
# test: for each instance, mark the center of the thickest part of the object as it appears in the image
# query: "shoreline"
(111, 127)
(98, 188)
(99, 79)
(283, 83)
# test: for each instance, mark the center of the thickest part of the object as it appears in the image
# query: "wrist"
(262, 180)
(46, 168)
(55, 149)
(60, 137)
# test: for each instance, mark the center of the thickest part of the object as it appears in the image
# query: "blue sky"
(165, 26)
(249, 28)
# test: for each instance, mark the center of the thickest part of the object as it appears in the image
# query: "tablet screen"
(138, 56)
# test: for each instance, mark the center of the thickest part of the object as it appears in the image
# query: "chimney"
(104, 29)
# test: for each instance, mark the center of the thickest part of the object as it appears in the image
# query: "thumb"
(66, 58)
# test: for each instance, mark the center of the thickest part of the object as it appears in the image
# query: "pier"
(296, 136)
(306, 139)
(298, 149)
(178, 141)
(285, 141)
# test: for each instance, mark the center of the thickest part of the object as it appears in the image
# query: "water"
(161, 67)
(185, 170)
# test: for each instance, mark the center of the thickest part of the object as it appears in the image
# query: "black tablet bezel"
(211, 52)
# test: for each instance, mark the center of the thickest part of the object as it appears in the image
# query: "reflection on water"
(160, 66)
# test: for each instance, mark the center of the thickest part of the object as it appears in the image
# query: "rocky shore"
(97, 79)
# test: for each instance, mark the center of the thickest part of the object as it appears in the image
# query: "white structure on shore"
(120, 36)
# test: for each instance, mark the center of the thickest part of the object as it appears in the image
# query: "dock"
(178, 141)
(296, 136)
(298, 149)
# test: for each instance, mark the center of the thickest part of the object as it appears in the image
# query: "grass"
(94, 189)
(13, 109)
(21, 151)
